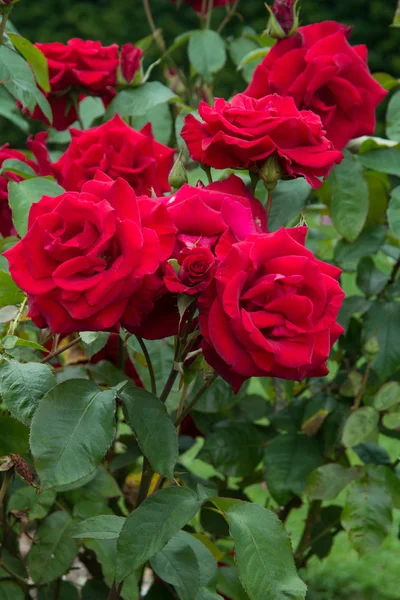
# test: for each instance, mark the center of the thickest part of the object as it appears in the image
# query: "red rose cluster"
(82, 68)
(114, 250)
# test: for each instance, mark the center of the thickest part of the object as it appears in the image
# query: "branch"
(61, 350)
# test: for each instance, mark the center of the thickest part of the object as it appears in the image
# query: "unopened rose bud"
(284, 18)
(130, 61)
(271, 172)
(178, 176)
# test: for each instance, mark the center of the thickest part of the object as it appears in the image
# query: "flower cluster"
(114, 250)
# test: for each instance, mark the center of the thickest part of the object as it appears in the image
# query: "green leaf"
(94, 341)
(22, 386)
(161, 122)
(367, 514)
(14, 437)
(387, 396)
(233, 448)
(11, 165)
(106, 552)
(154, 430)
(349, 205)
(383, 321)
(138, 101)
(393, 117)
(368, 243)
(90, 109)
(288, 199)
(8, 313)
(207, 53)
(263, 554)
(360, 425)
(393, 212)
(22, 195)
(185, 563)
(206, 594)
(72, 429)
(148, 528)
(370, 279)
(326, 482)
(35, 57)
(28, 500)
(218, 398)
(53, 556)
(229, 584)
(10, 591)
(288, 461)
(10, 294)
(387, 81)
(385, 160)
(105, 527)
(392, 420)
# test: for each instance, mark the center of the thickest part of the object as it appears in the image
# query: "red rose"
(86, 256)
(198, 4)
(120, 151)
(323, 73)
(37, 145)
(130, 61)
(272, 311)
(246, 132)
(81, 67)
(195, 273)
(214, 216)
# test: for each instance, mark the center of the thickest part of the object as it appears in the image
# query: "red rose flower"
(130, 61)
(196, 270)
(272, 311)
(120, 151)
(37, 145)
(82, 67)
(246, 132)
(86, 255)
(198, 4)
(322, 72)
(214, 216)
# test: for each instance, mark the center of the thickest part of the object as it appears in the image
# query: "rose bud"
(284, 18)
(178, 176)
(194, 272)
(130, 61)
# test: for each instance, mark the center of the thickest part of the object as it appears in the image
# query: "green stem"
(4, 486)
(115, 591)
(269, 203)
(195, 399)
(209, 13)
(254, 179)
(149, 364)
(169, 384)
(229, 16)
(17, 319)
(61, 350)
(306, 538)
(145, 482)
(6, 13)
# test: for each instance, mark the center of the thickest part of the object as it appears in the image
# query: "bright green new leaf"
(104, 527)
(23, 385)
(11, 165)
(54, 554)
(35, 57)
(263, 554)
(22, 195)
(148, 528)
(207, 53)
(85, 430)
(153, 427)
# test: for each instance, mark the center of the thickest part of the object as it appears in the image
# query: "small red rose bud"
(284, 18)
(130, 61)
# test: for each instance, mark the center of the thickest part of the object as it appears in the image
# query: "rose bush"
(323, 73)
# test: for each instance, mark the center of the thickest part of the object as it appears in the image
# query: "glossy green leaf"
(229, 584)
(53, 556)
(385, 160)
(139, 101)
(349, 205)
(85, 430)
(263, 554)
(148, 528)
(106, 552)
(383, 321)
(368, 243)
(233, 448)
(22, 386)
(28, 500)
(11, 165)
(185, 563)
(288, 461)
(94, 341)
(387, 396)
(393, 118)
(10, 294)
(288, 199)
(35, 57)
(105, 527)
(207, 53)
(326, 482)
(153, 427)
(22, 195)
(370, 279)
(367, 514)
(360, 425)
